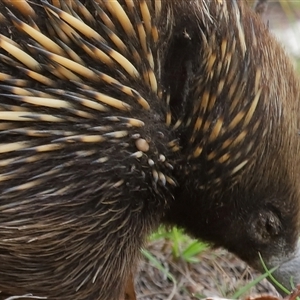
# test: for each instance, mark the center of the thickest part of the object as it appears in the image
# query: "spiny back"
(84, 174)
(100, 100)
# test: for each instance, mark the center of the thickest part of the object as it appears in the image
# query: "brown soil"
(218, 273)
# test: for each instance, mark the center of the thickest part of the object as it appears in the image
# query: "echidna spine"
(82, 119)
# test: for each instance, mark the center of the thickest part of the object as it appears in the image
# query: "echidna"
(117, 116)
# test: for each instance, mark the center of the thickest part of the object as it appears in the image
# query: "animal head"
(235, 105)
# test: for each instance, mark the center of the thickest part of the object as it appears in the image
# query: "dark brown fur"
(257, 208)
(80, 193)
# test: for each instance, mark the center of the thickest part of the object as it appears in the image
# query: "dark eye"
(272, 224)
(265, 225)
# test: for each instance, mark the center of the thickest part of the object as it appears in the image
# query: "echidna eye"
(265, 225)
(272, 225)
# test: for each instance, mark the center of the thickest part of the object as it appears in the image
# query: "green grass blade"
(269, 273)
(247, 287)
(158, 265)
